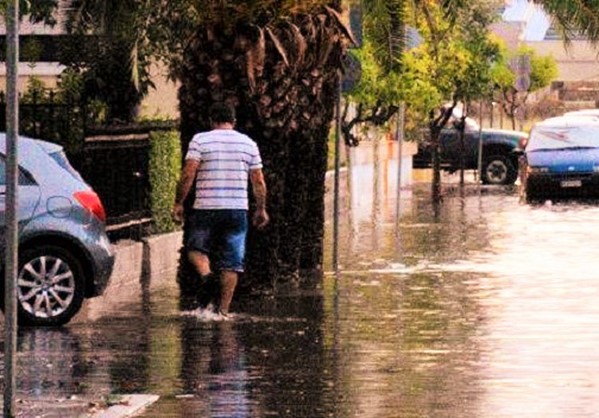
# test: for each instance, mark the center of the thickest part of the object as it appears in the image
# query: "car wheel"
(498, 170)
(533, 197)
(50, 286)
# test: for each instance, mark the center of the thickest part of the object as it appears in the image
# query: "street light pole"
(11, 256)
(336, 179)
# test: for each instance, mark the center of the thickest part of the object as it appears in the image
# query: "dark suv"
(499, 163)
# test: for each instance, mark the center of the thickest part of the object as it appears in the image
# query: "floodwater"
(479, 307)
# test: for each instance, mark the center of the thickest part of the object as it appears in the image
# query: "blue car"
(64, 253)
(561, 159)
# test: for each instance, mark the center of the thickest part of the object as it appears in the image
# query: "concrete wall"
(152, 260)
(162, 100)
(145, 265)
(579, 61)
(385, 151)
(47, 72)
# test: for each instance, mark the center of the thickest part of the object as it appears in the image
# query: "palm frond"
(279, 47)
(574, 17)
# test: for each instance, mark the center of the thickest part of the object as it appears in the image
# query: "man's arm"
(188, 175)
(260, 218)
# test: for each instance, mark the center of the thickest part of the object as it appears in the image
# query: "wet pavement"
(479, 307)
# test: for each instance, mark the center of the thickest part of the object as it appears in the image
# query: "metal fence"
(116, 165)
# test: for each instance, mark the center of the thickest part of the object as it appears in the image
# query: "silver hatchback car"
(64, 253)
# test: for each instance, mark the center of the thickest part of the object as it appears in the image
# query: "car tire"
(498, 170)
(534, 197)
(50, 286)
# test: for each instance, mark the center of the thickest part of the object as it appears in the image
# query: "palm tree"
(574, 16)
(278, 63)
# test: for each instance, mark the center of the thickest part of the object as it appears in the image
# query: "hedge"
(165, 167)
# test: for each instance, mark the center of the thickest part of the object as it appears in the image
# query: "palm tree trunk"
(281, 80)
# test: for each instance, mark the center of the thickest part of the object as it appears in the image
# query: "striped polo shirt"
(226, 157)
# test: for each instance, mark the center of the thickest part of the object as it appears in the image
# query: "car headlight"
(538, 170)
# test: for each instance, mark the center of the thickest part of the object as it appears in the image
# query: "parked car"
(561, 159)
(499, 164)
(593, 113)
(64, 253)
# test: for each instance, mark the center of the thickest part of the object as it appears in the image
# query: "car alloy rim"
(46, 286)
(496, 171)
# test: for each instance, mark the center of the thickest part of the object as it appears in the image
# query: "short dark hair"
(221, 113)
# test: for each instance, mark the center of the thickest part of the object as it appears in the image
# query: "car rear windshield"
(542, 138)
(61, 159)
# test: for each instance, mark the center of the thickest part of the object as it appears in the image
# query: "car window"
(565, 137)
(63, 161)
(24, 178)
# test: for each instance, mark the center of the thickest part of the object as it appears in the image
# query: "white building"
(524, 22)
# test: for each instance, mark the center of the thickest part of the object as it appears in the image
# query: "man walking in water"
(220, 161)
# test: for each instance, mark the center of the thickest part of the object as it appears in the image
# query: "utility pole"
(11, 256)
(336, 180)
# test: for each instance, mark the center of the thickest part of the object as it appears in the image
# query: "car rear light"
(522, 143)
(90, 200)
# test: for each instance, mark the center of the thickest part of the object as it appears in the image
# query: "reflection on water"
(481, 307)
(215, 375)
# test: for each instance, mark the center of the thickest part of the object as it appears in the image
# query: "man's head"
(220, 113)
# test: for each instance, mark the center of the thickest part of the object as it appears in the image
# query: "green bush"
(165, 166)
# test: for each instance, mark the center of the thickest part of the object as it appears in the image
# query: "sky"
(535, 20)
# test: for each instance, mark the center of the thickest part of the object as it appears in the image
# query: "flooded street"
(480, 307)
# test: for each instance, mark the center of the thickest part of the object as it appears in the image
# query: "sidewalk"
(151, 260)
(117, 406)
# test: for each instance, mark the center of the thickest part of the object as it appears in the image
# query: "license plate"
(571, 183)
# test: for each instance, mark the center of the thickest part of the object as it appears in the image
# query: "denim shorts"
(220, 234)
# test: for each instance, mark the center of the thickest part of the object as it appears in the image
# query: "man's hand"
(260, 218)
(178, 212)
(188, 174)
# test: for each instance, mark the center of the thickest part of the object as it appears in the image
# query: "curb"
(154, 257)
(128, 406)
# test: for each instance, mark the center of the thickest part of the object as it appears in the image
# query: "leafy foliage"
(376, 96)
(108, 47)
(451, 65)
(131, 34)
(542, 71)
(574, 17)
(165, 165)
(37, 11)
(58, 114)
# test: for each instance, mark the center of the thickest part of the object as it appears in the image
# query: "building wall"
(577, 62)
(161, 101)
(47, 72)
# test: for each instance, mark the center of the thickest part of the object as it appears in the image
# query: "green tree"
(377, 96)
(37, 11)
(111, 49)
(449, 67)
(518, 75)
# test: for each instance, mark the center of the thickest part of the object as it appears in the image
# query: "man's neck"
(223, 125)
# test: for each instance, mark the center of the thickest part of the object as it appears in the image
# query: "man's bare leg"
(200, 262)
(207, 287)
(228, 282)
